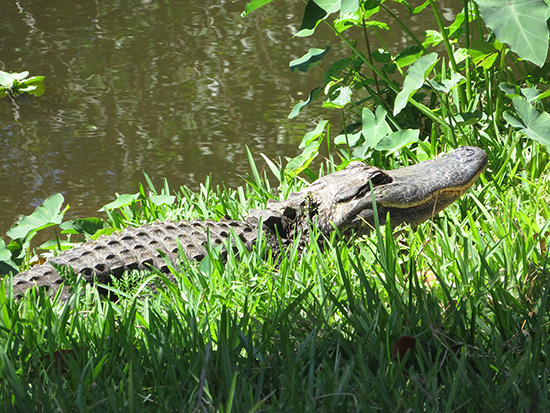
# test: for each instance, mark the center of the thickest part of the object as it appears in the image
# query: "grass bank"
(452, 316)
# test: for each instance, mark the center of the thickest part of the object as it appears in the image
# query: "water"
(174, 88)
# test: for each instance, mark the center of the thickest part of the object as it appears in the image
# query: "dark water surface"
(175, 88)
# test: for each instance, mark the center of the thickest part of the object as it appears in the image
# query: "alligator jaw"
(418, 192)
(410, 195)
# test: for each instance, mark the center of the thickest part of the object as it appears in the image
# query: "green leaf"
(530, 93)
(9, 79)
(253, 5)
(5, 253)
(46, 215)
(347, 20)
(446, 85)
(375, 126)
(466, 118)
(409, 55)
(483, 54)
(159, 200)
(121, 201)
(381, 56)
(314, 134)
(509, 89)
(313, 95)
(339, 98)
(397, 140)
(531, 122)
(519, 23)
(406, 4)
(315, 12)
(311, 59)
(335, 69)
(433, 37)
(37, 83)
(302, 161)
(87, 226)
(421, 7)
(349, 6)
(414, 80)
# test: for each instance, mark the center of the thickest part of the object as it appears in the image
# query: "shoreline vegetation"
(451, 316)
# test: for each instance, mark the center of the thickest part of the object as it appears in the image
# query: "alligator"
(342, 200)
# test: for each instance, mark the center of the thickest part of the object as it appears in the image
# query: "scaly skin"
(410, 195)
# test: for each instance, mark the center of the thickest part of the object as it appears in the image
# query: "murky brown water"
(175, 88)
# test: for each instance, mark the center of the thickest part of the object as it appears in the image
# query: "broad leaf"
(483, 54)
(253, 5)
(519, 23)
(311, 59)
(465, 118)
(87, 226)
(398, 140)
(121, 201)
(315, 12)
(302, 161)
(531, 122)
(446, 85)
(339, 98)
(159, 200)
(314, 134)
(46, 215)
(313, 95)
(373, 129)
(349, 6)
(335, 69)
(8, 79)
(416, 75)
(375, 126)
(409, 55)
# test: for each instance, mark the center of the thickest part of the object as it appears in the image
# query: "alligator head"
(343, 199)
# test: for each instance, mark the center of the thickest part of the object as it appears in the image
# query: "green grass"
(316, 331)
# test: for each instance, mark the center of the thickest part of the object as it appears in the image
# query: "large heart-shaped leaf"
(46, 215)
(519, 23)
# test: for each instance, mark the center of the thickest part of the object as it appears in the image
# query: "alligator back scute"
(136, 249)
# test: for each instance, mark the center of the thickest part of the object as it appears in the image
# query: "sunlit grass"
(311, 331)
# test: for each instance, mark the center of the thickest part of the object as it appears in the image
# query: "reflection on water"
(175, 88)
